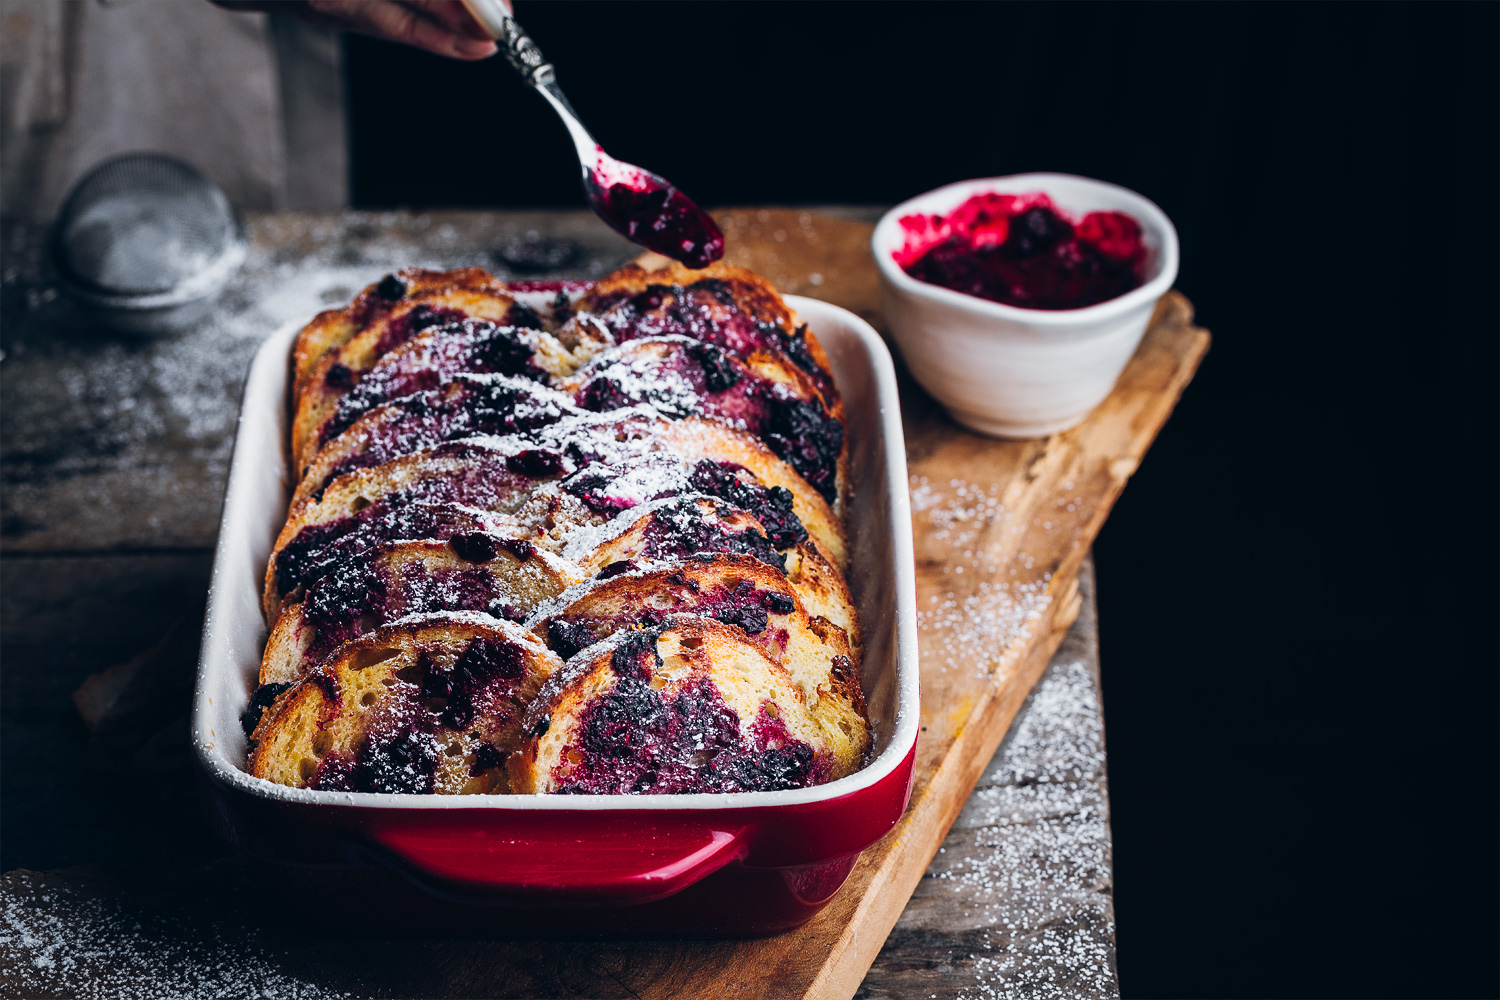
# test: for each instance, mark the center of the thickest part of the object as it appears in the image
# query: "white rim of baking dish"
(270, 362)
(886, 240)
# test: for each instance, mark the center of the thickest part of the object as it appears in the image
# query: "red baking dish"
(726, 864)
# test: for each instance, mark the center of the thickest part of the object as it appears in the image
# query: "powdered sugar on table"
(1018, 902)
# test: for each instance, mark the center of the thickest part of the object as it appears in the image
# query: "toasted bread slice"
(766, 396)
(430, 704)
(480, 473)
(473, 346)
(319, 551)
(738, 591)
(724, 462)
(726, 447)
(502, 474)
(692, 526)
(823, 592)
(472, 571)
(467, 406)
(665, 530)
(665, 515)
(735, 309)
(496, 563)
(690, 706)
(333, 328)
(342, 367)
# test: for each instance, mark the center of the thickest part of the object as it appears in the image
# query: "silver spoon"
(643, 207)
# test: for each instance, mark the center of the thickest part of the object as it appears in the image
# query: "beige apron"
(255, 102)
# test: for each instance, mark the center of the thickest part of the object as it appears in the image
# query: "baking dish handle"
(621, 868)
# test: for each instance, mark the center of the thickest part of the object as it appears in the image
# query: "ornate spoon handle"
(518, 48)
(642, 206)
(525, 58)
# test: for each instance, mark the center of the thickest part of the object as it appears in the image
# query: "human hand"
(443, 27)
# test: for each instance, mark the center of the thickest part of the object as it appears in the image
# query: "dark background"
(1298, 589)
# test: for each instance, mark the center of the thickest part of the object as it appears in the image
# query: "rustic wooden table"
(114, 454)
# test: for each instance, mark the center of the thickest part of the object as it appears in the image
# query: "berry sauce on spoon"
(643, 207)
(647, 209)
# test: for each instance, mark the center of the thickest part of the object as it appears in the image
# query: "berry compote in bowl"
(1017, 301)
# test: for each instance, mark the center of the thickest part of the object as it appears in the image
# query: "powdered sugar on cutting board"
(971, 625)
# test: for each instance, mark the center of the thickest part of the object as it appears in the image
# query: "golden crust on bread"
(333, 328)
(743, 593)
(475, 571)
(738, 291)
(342, 367)
(690, 706)
(431, 704)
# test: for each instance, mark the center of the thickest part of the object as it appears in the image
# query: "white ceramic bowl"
(1012, 372)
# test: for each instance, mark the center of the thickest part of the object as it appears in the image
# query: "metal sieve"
(144, 241)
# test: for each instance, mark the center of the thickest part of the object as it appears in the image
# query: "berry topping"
(628, 659)
(566, 639)
(259, 702)
(475, 546)
(657, 216)
(603, 395)
(778, 604)
(719, 373)
(483, 663)
(808, 439)
(638, 740)
(340, 376)
(520, 314)
(486, 758)
(538, 463)
(419, 318)
(615, 569)
(771, 507)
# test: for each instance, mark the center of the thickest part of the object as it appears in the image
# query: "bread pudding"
(590, 545)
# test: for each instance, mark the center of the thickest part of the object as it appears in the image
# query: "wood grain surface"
(1002, 530)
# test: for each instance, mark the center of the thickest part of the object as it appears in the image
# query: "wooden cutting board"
(1001, 528)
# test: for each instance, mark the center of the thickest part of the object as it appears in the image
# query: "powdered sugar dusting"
(1036, 874)
(970, 626)
(1018, 902)
(644, 489)
(161, 413)
(643, 373)
(56, 942)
